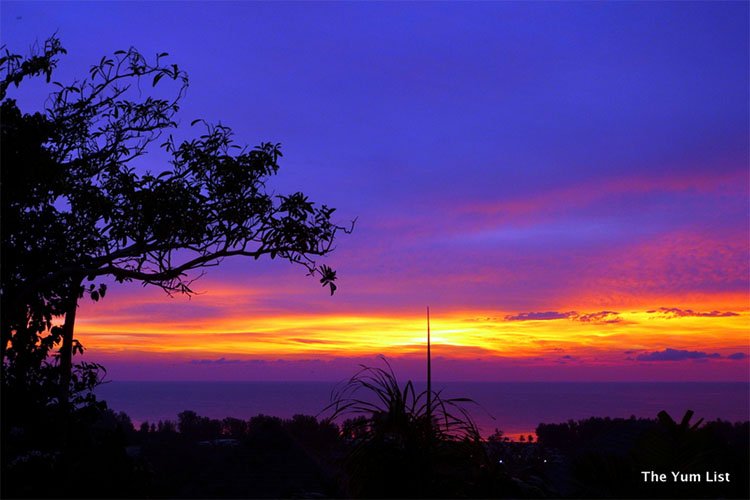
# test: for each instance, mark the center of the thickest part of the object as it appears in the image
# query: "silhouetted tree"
(75, 208)
(314, 435)
(195, 427)
(233, 427)
(164, 426)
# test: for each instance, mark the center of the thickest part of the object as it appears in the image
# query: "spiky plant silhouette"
(400, 412)
(683, 446)
(403, 447)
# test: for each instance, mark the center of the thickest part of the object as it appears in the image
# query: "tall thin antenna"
(429, 371)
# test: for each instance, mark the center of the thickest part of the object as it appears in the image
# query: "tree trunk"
(10, 314)
(6, 336)
(66, 350)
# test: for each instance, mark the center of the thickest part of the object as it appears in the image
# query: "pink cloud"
(554, 202)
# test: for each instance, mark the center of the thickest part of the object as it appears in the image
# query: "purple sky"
(512, 156)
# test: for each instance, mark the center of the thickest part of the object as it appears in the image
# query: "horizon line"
(452, 381)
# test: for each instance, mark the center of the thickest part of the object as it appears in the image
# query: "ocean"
(514, 407)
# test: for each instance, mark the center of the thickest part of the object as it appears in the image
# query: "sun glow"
(457, 334)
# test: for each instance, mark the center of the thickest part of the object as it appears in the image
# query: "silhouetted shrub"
(406, 444)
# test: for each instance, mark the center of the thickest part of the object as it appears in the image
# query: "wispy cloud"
(600, 317)
(670, 354)
(595, 317)
(312, 341)
(540, 316)
(567, 359)
(219, 361)
(674, 312)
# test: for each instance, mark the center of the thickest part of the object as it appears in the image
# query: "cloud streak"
(540, 316)
(670, 354)
(601, 317)
(219, 361)
(674, 312)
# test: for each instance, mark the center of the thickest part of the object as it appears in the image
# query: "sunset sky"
(566, 185)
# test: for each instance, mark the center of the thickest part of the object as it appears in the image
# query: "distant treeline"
(304, 457)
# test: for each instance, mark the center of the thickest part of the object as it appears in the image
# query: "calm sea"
(514, 407)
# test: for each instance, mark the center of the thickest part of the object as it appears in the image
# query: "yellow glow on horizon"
(457, 334)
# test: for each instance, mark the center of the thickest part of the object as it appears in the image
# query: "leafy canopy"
(75, 208)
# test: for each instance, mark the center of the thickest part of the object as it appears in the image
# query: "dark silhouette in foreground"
(76, 210)
(606, 458)
(384, 451)
(401, 443)
(377, 439)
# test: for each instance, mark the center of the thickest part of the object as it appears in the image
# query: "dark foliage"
(403, 446)
(604, 458)
(93, 464)
(75, 208)
(303, 457)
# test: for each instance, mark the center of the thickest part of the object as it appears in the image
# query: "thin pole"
(429, 371)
